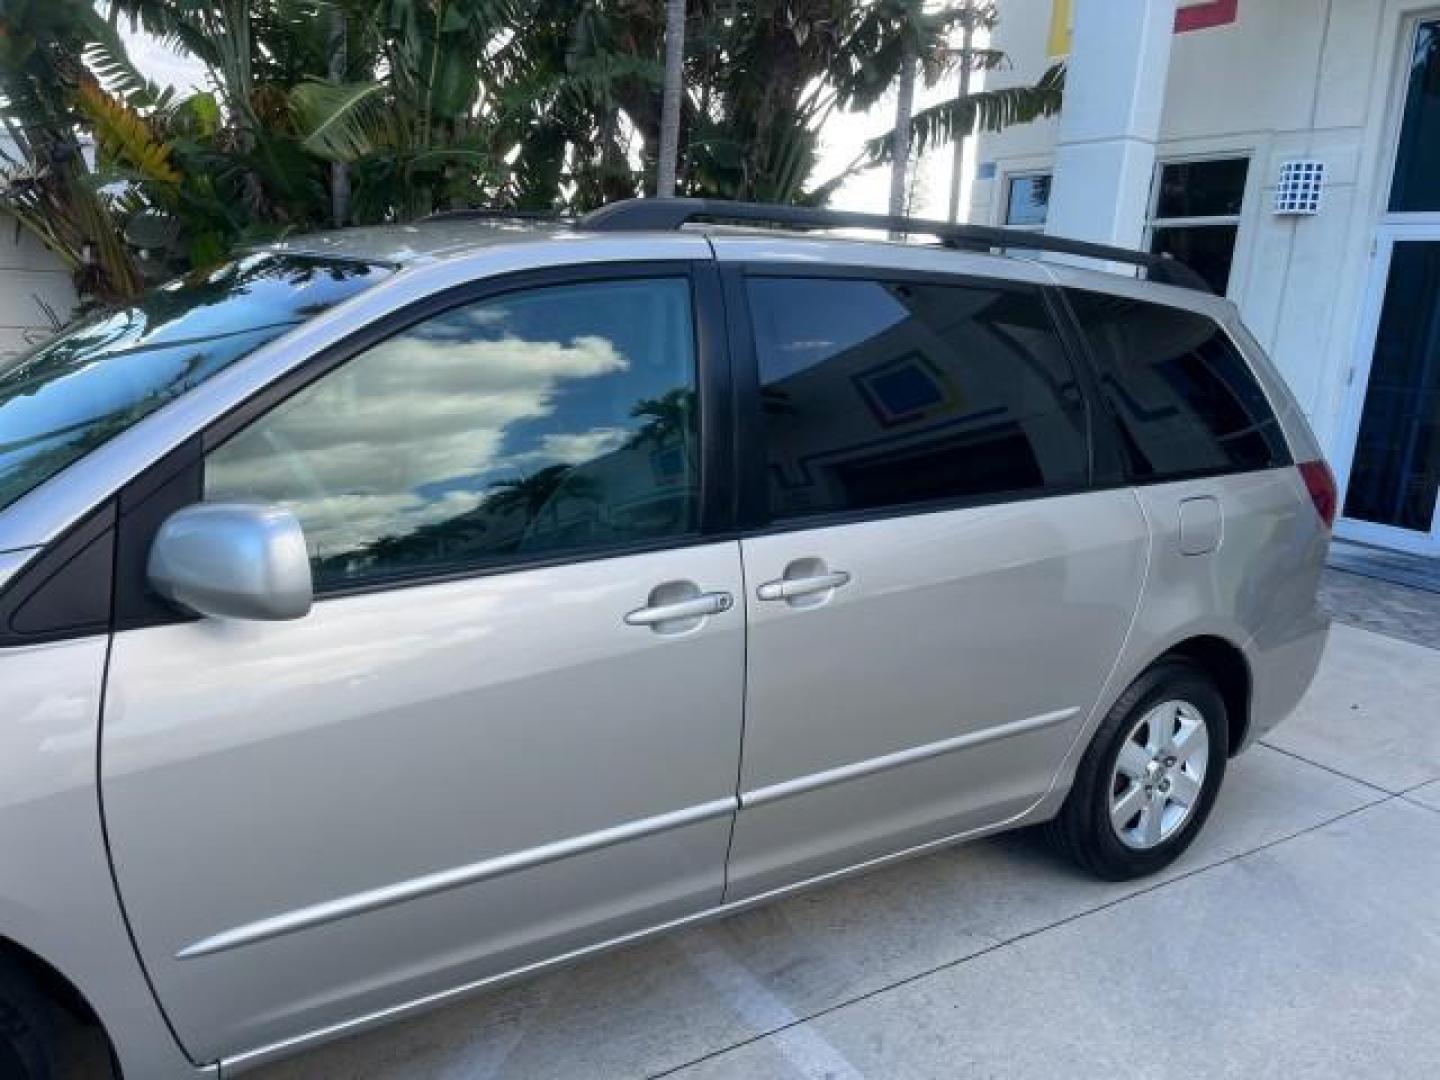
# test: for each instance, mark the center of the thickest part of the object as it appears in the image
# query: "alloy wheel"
(1159, 775)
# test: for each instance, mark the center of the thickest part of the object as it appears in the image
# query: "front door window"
(554, 421)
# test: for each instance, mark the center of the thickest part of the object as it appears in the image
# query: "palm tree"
(983, 110)
(527, 494)
(920, 37)
(668, 418)
(973, 17)
(900, 149)
(670, 107)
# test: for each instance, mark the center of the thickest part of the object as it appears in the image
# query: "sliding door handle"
(791, 588)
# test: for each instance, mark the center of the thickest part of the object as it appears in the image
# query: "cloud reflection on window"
(503, 427)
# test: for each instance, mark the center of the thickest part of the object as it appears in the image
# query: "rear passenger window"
(1184, 399)
(879, 394)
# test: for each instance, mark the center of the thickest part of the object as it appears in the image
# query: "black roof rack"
(664, 215)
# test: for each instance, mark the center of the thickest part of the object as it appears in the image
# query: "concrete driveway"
(1300, 936)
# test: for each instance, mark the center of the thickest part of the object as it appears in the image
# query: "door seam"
(110, 858)
(744, 609)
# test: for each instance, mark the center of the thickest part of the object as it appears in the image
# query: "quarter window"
(1183, 397)
(878, 394)
(539, 423)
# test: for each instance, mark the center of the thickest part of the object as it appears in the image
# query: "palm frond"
(127, 137)
(107, 57)
(985, 110)
(342, 121)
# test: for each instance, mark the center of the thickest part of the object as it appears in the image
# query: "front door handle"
(790, 588)
(696, 607)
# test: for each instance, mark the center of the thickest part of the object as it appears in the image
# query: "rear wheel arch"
(1226, 664)
(31, 975)
(57, 989)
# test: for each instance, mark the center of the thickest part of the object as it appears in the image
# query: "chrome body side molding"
(457, 877)
(814, 781)
(264, 1055)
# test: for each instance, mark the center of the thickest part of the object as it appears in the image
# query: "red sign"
(1205, 15)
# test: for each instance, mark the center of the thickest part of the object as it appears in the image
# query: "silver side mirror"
(233, 561)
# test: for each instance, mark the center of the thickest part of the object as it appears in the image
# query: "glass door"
(1394, 476)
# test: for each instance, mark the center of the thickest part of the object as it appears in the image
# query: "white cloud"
(349, 454)
(571, 449)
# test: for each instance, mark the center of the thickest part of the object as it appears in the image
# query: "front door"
(487, 744)
(1394, 472)
(937, 600)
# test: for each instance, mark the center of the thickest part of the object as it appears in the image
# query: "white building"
(34, 288)
(1177, 130)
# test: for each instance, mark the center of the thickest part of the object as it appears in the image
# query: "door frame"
(1393, 229)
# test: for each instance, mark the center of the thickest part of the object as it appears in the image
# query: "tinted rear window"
(879, 394)
(1184, 399)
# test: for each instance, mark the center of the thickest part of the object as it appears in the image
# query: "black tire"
(27, 1030)
(1083, 831)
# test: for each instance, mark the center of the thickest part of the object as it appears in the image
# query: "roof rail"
(664, 215)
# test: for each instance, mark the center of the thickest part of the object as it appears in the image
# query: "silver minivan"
(392, 613)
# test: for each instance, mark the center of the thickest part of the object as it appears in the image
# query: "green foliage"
(983, 110)
(370, 111)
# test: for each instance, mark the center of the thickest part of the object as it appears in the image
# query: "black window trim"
(1085, 357)
(753, 518)
(717, 481)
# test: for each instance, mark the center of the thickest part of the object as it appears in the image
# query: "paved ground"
(1300, 937)
(1382, 606)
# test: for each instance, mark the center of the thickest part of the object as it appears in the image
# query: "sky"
(160, 65)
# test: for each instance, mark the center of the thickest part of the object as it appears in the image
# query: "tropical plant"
(322, 112)
(984, 110)
(45, 182)
(668, 419)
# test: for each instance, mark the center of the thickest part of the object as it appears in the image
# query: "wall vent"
(1302, 183)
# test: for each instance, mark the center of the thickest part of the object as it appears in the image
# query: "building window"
(1195, 215)
(1417, 165)
(1027, 201)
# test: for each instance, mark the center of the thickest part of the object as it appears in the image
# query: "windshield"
(78, 390)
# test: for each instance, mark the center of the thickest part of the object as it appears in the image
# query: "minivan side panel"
(416, 788)
(1255, 591)
(56, 896)
(935, 693)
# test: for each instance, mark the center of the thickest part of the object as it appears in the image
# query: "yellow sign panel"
(1062, 22)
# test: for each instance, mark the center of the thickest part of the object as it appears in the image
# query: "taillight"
(1320, 482)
